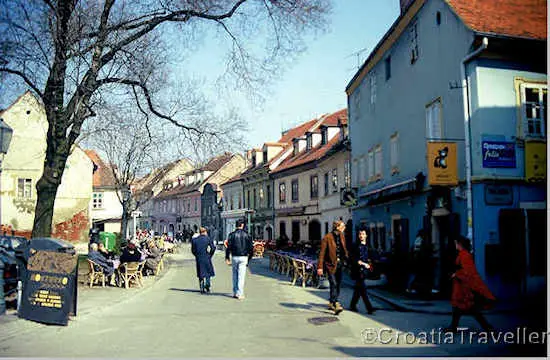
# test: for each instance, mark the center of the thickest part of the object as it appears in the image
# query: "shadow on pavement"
(417, 325)
(198, 292)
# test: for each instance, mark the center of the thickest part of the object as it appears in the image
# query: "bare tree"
(127, 141)
(73, 53)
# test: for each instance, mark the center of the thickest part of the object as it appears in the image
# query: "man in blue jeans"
(239, 246)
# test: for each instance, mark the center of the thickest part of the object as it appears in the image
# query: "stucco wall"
(25, 160)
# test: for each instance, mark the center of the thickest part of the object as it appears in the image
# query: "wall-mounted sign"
(499, 195)
(498, 154)
(348, 198)
(535, 161)
(442, 163)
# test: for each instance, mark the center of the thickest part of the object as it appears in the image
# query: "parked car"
(8, 248)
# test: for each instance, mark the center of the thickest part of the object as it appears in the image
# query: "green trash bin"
(108, 239)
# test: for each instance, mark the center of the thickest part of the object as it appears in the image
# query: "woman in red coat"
(469, 293)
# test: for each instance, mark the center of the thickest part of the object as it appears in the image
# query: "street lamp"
(6, 133)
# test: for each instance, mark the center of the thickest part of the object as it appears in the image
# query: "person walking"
(203, 249)
(469, 293)
(239, 247)
(361, 264)
(332, 255)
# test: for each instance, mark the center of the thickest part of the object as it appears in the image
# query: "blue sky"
(311, 85)
(316, 82)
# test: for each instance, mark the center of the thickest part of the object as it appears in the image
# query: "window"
(394, 152)
(97, 199)
(282, 192)
(371, 164)
(314, 187)
(230, 203)
(296, 148)
(533, 103)
(372, 88)
(265, 156)
(387, 65)
(268, 196)
(324, 136)
(188, 205)
(309, 142)
(196, 204)
(334, 180)
(295, 190)
(434, 121)
(381, 237)
(326, 184)
(438, 18)
(378, 161)
(254, 203)
(240, 200)
(248, 199)
(347, 174)
(357, 103)
(413, 34)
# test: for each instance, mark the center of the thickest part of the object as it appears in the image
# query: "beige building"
(308, 183)
(23, 166)
(149, 186)
(106, 206)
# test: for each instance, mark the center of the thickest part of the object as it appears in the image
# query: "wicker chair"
(96, 274)
(131, 272)
(301, 272)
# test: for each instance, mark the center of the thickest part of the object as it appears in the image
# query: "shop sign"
(535, 161)
(498, 154)
(442, 163)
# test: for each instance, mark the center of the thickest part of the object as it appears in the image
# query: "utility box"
(49, 282)
(108, 239)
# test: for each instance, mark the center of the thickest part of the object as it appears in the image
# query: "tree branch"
(24, 77)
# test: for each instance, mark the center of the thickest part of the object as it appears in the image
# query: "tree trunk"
(46, 190)
(124, 222)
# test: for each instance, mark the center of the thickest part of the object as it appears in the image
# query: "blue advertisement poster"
(498, 154)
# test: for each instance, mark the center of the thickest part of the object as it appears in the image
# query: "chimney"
(405, 4)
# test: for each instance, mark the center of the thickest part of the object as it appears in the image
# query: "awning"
(393, 191)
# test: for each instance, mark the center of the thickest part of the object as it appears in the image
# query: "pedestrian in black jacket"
(360, 265)
(239, 247)
(203, 248)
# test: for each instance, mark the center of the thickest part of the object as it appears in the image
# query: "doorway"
(314, 229)
(295, 232)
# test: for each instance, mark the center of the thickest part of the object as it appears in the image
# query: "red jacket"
(467, 283)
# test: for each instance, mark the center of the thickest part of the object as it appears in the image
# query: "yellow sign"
(442, 163)
(535, 161)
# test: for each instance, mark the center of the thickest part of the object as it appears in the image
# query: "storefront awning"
(394, 191)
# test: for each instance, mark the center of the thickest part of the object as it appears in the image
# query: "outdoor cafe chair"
(288, 265)
(301, 272)
(96, 274)
(131, 272)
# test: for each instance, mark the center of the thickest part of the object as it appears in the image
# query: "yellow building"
(23, 166)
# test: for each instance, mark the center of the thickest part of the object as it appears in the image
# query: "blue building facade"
(417, 89)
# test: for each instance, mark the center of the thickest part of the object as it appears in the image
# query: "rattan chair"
(96, 274)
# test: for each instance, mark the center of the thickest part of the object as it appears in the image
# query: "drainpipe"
(467, 132)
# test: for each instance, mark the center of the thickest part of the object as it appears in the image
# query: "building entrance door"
(295, 232)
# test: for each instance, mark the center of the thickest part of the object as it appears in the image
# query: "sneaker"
(338, 308)
(330, 306)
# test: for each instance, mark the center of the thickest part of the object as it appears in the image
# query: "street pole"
(134, 216)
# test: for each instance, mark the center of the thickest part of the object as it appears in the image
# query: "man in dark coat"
(203, 248)
(332, 256)
(98, 258)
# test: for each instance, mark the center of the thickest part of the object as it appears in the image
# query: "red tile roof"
(318, 151)
(216, 163)
(103, 174)
(514, 18)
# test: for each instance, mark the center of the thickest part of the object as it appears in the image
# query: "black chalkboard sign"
(49, 288)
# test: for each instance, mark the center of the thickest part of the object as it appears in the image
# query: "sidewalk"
(413, 303)
(89, 300)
